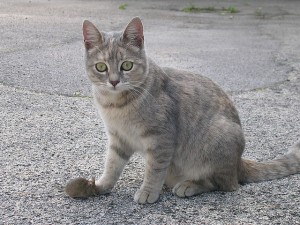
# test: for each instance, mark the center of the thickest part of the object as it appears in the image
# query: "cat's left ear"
(92, 36)
(134, 33)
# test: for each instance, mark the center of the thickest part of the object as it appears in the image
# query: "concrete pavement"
(50, 131)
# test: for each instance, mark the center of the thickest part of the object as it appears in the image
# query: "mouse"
(81, 188)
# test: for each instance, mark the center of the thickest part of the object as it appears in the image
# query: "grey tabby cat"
(184, 125)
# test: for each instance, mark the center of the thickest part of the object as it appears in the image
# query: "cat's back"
(189, 80)
(198, 93)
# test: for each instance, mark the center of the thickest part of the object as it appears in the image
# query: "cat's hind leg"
(217, 164)
(189, 188)
(219, 182)
(173, 177)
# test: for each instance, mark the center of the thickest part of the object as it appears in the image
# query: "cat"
(184, 124)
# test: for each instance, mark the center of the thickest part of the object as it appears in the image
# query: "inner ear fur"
(134, 33)
(92, 36)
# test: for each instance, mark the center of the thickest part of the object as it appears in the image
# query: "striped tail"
(283, 166)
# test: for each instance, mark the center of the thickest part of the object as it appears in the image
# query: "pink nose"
(114, 83)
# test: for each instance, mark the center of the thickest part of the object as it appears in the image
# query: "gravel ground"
(48, 135)
(49, 139)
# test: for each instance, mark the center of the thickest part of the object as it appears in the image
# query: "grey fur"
(184, 124)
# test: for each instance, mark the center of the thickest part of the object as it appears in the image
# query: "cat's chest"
(126, 125)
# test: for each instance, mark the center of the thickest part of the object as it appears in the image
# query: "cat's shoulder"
(182, 78)
(187, 77)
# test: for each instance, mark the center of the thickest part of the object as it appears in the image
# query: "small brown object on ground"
(81, 188)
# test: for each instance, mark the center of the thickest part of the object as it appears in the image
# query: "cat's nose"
(114, 82)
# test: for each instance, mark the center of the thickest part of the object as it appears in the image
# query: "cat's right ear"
(92, 36)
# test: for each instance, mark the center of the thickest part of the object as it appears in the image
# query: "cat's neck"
(108, 100)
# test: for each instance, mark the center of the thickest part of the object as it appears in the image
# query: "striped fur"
(184, 124)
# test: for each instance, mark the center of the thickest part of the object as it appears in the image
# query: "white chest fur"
(120, 121)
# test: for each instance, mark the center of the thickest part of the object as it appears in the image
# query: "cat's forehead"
(113, 44)
(112, 36)
(112, 48)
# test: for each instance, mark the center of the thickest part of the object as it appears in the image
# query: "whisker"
(143, 89)
(144, 92)
(138, 93)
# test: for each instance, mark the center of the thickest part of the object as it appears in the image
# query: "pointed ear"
(134, 34)
(91, 35)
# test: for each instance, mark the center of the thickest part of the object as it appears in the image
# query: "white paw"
(143, 197)
(185, 189)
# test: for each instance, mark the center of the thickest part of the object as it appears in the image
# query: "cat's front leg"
(116, 159)
(157, 162)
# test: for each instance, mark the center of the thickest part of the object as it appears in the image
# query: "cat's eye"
(127, 65)
(101, 67)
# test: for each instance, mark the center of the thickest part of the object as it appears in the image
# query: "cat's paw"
(143, 196)
(185, 189)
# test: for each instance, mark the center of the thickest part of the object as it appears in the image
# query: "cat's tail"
(285, 165)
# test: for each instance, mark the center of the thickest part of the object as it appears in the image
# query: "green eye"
(101, 67)
(127, 65)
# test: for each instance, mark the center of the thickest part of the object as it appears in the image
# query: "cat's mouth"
(116, 89)
(112, 90)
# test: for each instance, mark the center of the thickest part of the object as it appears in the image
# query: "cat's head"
(115, 61)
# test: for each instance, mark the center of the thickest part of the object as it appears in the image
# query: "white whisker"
(144, 92)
